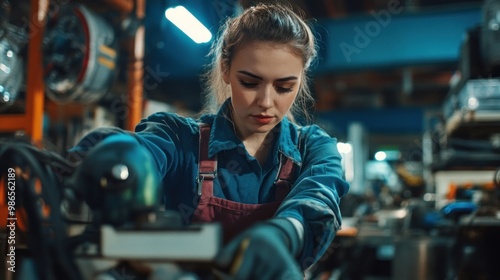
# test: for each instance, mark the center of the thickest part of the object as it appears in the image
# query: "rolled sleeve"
(314, 199)
(78, 152)
(164, 135)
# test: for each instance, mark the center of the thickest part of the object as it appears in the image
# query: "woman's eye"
(284, 89)
(248, 85)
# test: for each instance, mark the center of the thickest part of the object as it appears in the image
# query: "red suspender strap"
(286, 176)
(207, 167)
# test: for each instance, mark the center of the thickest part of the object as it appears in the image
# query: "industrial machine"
(474, 97)
(97, 217)
(467, 147)
(80, 56)
(11, 62)
(11, 71)
(469, 134)
(490, 37)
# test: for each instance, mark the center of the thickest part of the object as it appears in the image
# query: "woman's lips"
(262, 119)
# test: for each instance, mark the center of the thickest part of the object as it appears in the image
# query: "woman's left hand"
(261, 252)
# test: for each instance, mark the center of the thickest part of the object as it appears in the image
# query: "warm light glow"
(189, 24)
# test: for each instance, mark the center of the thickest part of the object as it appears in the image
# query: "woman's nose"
(265, 97)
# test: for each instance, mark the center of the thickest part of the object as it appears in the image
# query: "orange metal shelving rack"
(31, 121)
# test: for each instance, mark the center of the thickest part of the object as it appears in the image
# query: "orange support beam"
(34, 86)
(135, 98)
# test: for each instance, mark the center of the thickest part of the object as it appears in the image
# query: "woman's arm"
(314, 199)
(162, 134)
(311, 206)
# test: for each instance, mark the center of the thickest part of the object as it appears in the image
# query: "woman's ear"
(225, 73)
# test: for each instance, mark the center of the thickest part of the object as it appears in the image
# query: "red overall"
(234, 216)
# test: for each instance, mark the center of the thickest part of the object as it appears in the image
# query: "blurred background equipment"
(11, 70)
(11, 61)
(79, 55)
(468, 133)
(490, 36)
(96, 219)
(30, 177)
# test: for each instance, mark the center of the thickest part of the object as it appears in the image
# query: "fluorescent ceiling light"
(189, 24)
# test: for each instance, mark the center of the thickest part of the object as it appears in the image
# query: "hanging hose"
(38, 194)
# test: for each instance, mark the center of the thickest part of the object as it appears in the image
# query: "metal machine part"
(490, 35)
(4, 14)
(11, 72)
(79, 56)
(496, 178)
(11, 63)
(192, 243)
(118, 182)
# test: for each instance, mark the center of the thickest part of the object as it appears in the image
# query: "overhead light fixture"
(189, 24)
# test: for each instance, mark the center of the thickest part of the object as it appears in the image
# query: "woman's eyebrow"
(285, 79)
(249, 74)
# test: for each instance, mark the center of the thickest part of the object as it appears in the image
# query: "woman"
(275, 186)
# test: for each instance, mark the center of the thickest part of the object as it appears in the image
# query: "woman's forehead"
(267, 57)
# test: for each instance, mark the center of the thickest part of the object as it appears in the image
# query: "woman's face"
(264, 80)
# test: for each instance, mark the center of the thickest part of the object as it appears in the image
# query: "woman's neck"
(259, 146)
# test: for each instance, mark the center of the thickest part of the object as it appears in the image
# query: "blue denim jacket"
(173, 141)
